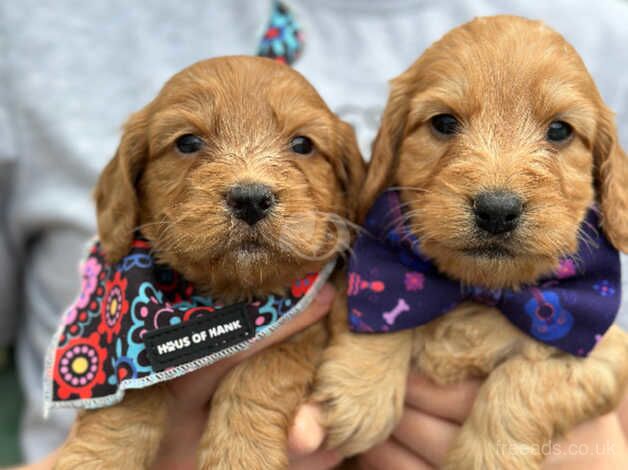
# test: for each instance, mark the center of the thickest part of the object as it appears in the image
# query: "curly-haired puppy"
(502, 106)
(225, 129)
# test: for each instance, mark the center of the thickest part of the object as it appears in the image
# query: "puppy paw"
(360, 408)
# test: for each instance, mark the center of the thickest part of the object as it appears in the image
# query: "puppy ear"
(611, 178)
(385, 153)
(117, 207)
(353, 168)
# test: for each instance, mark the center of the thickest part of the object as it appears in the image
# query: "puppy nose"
(497, 212)
(250, 202)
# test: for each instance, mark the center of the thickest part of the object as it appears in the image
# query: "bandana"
(283, 39)
(136, 323)
(393, 286)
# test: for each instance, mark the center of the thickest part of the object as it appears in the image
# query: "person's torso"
(74, 72)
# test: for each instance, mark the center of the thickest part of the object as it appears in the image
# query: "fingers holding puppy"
(452, 403)
(430, 422)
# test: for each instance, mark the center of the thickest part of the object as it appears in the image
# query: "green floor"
(10, 405)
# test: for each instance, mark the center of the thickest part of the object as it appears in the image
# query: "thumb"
(307, 433)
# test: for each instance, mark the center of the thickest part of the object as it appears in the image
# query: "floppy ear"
(353, 168)
(117, 207)
(611, 178)
(385, 153)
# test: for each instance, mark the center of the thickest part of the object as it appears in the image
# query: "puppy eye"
(445, 124)
(559, 131)
(189, 143)
(302, 145)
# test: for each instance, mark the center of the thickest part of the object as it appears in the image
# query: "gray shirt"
(71, 72)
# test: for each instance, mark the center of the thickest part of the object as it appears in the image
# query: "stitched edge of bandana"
(155, 378)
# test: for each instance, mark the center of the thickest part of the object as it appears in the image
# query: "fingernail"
(326, 295)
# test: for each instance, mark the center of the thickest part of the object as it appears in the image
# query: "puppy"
(238, 174)
(497, 143)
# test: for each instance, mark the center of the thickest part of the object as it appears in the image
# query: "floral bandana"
(283, 40)
(393, 286)
(137, 323)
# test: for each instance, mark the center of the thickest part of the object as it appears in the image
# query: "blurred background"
(161, 49)
(10, 407)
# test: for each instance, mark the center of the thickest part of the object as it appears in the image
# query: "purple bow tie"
(393, 286)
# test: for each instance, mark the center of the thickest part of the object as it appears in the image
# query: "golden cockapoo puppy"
(238, 174)
(497, 143)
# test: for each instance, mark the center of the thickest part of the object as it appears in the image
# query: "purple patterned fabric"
(393, 286)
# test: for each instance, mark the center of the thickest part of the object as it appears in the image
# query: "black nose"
(250, 202)
(497, 212)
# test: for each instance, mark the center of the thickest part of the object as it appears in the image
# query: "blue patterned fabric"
(283, 39)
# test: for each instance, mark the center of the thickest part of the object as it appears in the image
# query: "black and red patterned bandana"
(136, 323)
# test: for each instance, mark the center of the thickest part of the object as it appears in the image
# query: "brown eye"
(302, 145)
(189, 143)
(445, 124)
(558, 131)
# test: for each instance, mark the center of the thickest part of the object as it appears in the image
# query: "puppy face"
(237, 172)
(499, 141)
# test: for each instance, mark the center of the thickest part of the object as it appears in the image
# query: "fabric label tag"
(175, 345)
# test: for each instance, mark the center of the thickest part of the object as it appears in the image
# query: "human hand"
(598, 444)
(432, 419)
